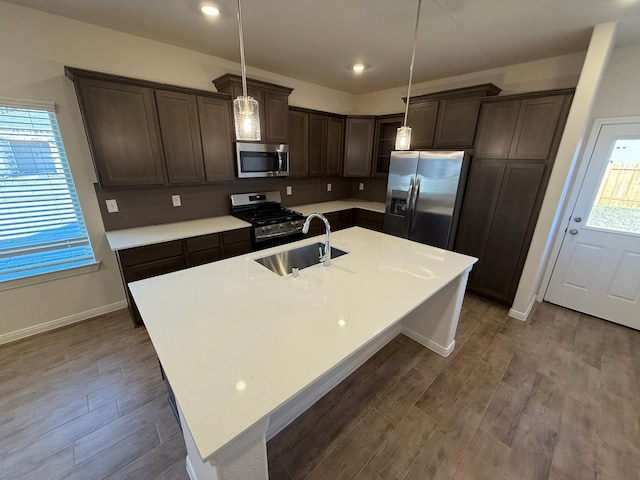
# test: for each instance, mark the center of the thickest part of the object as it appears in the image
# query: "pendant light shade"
(247, 118)
(245, 108)
(403, 136)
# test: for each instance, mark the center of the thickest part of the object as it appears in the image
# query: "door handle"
(416, 193)
(573, 231)
(407, 214)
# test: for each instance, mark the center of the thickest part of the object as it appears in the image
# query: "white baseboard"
(190, 472)
(301, 402)
(430, 344)
(61, 322)
(523, 315)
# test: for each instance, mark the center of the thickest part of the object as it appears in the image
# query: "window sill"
(46, 277)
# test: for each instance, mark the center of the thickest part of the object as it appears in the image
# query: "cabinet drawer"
(236, 236)
(370, 220)
(204, 256)
(203, 242)
(149, 253)
(237, 249)
(151, 269)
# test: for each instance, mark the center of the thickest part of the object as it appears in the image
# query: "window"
(41, 225)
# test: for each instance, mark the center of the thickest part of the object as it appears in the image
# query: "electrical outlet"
(175, 199)
(112, 206)
(361, 186)
(288, 190)
(328, 187)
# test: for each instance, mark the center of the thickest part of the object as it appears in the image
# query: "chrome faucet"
(325, 258)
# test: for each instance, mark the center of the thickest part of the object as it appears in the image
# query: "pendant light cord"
(413, 58)
(244, 67)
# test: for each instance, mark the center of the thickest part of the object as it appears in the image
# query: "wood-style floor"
(557, 397)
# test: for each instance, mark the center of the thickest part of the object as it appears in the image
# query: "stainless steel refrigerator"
(424, 194)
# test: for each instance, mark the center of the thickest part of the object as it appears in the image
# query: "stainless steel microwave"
(261, 160)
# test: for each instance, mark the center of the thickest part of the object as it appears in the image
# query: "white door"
(598, 267)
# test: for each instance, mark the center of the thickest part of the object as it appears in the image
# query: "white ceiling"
(318, 40)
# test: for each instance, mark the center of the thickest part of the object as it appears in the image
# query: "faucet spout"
(325, 258)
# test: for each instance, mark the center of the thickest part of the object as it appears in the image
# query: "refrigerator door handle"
(416, 194)
(407, 218)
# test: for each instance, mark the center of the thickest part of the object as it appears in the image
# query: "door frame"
(574, 190)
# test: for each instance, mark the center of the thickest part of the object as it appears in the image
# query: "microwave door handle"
(279, 163)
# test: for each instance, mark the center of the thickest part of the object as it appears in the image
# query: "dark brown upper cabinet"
(180, 129)
(447, 119)
(273, 105)
(422, 120)
(317, 145)
(298, 144)
(335, 146)
(217, 148)
(146, 133)
(384, 143)
(121, 122)
(520, 126)
(358, 146)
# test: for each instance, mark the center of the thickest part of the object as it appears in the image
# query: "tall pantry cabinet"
(516, 143)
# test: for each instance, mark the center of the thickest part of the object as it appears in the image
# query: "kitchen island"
(246, 351)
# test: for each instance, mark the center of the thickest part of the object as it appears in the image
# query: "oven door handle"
(278, 234)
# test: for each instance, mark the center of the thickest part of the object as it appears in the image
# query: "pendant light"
(245, 108)
(403, 136)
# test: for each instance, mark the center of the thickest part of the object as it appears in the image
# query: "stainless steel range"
(272, 223)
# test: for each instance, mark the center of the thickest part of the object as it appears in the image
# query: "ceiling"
(318, 41)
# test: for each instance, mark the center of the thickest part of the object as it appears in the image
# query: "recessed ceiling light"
(210, 10)
(358, 68)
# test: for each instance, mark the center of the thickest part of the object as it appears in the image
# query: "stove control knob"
(281, 226)
(266, 229)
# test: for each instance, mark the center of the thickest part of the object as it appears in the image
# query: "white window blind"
(41, 225)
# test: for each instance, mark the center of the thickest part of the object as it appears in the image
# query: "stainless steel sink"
(282, 263)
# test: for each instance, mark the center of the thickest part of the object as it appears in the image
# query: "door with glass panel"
(598, 267)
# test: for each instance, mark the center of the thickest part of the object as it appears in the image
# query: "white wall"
(546, 74)
(34, 48)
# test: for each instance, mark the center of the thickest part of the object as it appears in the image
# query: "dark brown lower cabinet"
(353, 217)
(500, 209)
(151, 260)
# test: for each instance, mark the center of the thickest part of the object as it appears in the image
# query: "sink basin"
(302, 257)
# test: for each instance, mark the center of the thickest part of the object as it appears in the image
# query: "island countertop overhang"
(235, 337)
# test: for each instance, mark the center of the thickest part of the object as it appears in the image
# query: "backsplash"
(142, 206)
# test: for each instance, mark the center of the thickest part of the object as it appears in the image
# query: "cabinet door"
(121, 122)
(511, 230)
(317, 145)
(215, 129)
(478, 208)
(335, 146)
(180, 129)
(536, 127)
(298, 144)
(358, 147)
(384, 142)
(276, 118)
(496, 125)
(457, 120)
(422, 120)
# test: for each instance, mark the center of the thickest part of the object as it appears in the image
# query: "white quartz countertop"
(237, 341)
(337, 205)
(139, 236)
